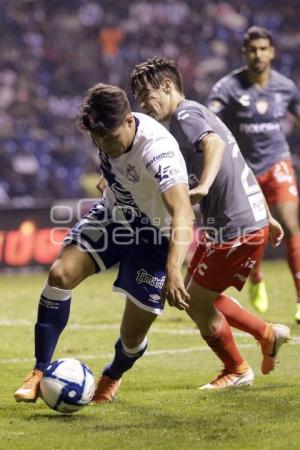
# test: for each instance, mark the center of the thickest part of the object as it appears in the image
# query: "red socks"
(238, 317)
(222, 344)
(293, 257)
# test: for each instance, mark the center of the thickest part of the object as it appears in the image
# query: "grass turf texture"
(158, 405)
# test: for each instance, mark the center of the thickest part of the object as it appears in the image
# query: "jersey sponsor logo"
(147, 278)
(162, 173)
(257, 204)
(256, 128)
(244, 100)
(132, 174)
(262, 105)
(182, 115)
(155, 158)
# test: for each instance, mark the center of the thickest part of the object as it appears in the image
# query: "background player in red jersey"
(233, 214)
(252, 101)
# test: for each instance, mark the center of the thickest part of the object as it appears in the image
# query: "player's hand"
(101, 185)
(174, 291)
(275, 232)
(197, 194)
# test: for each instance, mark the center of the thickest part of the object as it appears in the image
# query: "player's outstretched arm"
(213, 149)
(177, 202)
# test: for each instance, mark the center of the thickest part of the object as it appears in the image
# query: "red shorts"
(218, 266)
(279, 183)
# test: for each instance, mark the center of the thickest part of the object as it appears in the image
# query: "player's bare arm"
(213, 149)
(179, 207)
(276, 232)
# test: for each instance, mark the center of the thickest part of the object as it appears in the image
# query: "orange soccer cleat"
(30, 389)
(243, 376)
(274, 337)
(106, 389)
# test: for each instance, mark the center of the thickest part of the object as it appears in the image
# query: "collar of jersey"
(137, 122)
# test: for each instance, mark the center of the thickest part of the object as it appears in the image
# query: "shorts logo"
(262, 106)
(154, 298)
(201, 269)
(132, 174)
(147, 278)
(250, 263)
(240, 277)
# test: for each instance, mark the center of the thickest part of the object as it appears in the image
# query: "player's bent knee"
(132, 341)
(61, 276)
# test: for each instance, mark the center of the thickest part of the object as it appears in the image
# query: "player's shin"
(124, 358)
(222, 344)
(53, 314)
(238, 317)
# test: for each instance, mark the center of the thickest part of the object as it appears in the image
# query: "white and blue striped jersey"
(137, 178)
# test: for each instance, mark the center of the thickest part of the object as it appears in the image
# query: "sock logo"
(49, 304)
(147, 278)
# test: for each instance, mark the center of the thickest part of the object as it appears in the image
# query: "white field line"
(14, 323)
(116, 326)
(111, 355)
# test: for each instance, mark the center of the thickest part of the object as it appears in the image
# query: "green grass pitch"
(158, 405)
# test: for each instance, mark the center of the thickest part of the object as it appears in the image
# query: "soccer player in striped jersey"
(144, 223)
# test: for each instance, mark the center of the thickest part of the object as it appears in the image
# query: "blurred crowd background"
(52, 51)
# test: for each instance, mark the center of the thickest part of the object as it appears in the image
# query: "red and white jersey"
(137, 178)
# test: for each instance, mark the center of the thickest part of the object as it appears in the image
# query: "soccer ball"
(67, 385)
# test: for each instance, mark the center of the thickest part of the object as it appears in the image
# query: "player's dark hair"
(257, 33)
(154, 71)
(103, 109)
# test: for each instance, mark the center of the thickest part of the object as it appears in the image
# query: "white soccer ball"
(67, 385)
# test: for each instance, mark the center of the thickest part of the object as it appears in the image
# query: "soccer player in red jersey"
(234, 216)
(252, 101)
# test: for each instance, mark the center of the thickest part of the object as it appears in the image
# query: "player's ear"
(166, 85)
(272, 52)
(129, 120)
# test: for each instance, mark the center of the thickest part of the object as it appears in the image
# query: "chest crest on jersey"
(131, 174)
(261, 105)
